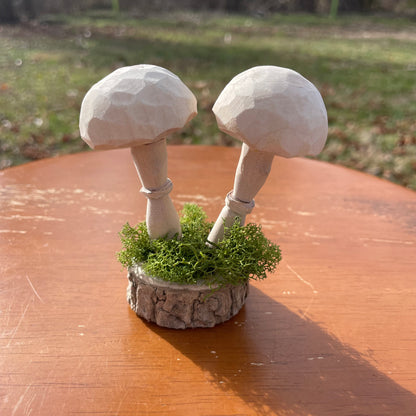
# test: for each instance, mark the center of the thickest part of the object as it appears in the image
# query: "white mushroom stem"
(252, 171)
(151, 165)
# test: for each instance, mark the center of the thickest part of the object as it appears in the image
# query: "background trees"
(12, 11)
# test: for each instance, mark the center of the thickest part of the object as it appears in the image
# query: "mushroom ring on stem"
(273, 111)
(137, 107)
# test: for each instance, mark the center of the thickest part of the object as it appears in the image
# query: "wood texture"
(332, 332)
(182, 306)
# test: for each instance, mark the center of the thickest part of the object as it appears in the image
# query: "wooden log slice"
(182, 306)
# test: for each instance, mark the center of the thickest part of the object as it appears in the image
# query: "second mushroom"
(273, 111)
(137, 107)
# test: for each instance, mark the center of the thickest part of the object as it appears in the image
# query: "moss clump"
(244, 254)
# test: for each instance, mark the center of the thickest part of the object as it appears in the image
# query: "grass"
(245, 253)
(365, 68)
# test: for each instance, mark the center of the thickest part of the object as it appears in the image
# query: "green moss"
(244, 254)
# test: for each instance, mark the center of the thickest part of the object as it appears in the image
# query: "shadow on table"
(277, 361)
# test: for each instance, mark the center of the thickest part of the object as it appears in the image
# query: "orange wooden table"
(332, 332)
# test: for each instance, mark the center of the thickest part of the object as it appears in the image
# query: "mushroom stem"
(252, 171)
(151, 165)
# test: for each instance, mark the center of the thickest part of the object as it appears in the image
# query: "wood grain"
(182, 306)
(332, 332)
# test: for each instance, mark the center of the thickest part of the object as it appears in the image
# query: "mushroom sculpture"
(137, 107)
(273, 111)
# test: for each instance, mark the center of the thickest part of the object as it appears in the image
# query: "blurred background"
(361, 55)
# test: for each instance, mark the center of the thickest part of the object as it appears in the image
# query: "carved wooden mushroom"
(137, 107)
(274, 111)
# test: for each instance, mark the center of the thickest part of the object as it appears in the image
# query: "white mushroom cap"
(275, 110)
(135, 105)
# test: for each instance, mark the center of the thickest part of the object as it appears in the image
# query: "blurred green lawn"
(365, 68)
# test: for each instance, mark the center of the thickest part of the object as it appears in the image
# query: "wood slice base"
(181, 306)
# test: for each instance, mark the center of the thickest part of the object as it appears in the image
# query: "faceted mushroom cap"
(275, 110)
(135, 105)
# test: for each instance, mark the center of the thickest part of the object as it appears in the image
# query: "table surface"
(332, 332)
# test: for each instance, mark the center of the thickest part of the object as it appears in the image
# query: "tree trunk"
(7, 12)
(29, 9)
